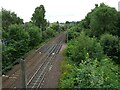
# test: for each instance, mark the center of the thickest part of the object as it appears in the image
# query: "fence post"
(23, 75)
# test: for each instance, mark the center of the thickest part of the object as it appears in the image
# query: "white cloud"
(56, 10)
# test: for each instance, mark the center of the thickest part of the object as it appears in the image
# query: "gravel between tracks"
(51, 81)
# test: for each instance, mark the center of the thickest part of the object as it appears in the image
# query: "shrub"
(67, 75)
(15, 45)
(35, 35)
(50, 32)
(18, 38)
(92, 74)
(77, 49)
(72, 34)
(110, 46)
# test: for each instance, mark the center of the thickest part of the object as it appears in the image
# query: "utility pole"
(23, 75)
(67, 36)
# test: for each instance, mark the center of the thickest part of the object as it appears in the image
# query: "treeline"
(92, 56)
(18, 37)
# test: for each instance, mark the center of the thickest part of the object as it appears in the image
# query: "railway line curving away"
(38, 65)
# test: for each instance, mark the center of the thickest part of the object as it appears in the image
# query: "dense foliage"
(92, 54)
(9, 18)
(103, 19)
(77, 49)
(87, 67)
(111, 46)
(16, 42)
(35, 34)
(19, 38)
(90, 74)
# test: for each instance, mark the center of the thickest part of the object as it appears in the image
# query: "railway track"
(43, 57)
(38, 77)
(16, 74)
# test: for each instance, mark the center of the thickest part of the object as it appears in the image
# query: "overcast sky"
(56, 10)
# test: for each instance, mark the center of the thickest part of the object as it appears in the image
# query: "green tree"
(111, 46)
(19, 39)
(118, 24)
(78, 48)
(51, 31)
(38, 17)
(34, 33)
(55, 26)
(72, 34)
(15, 46)
(103, 19)
(9, 18)
(90, 59)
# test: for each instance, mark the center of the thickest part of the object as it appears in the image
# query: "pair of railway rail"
(48, 54)
(39, 76)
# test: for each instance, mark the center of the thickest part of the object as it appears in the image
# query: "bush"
(103, 20)
(72, 34)
(50, 32)
(110, 46)
(15, 46)
(18, 38)
(92, 74)
(67, 75)
(77, 49)
(35, 34)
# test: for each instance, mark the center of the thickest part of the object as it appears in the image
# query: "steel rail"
(47, 65)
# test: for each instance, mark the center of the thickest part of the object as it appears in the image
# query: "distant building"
(119, 6)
